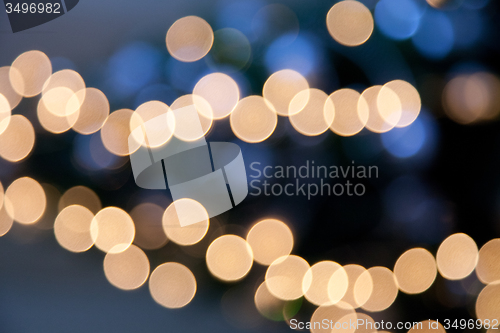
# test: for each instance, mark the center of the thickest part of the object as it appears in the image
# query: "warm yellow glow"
(128, 269)
(72, 228)
(353, 272)
(189, 38)
(488, 265)
(415, 271)
(281, 87)
(368, 324)
(254, 119)
(384, 109)
(220, 91)
(350, 23)
(25, 200)
(6, 88)
(229, 258)
(285, 275)
(5, 113)
(188, 234)
(58, 91)
(80, 195)
(152, 124)
(18, 139)
(187, 122)
(149, 232)
(335, 313)
(93, 111)
(116, 131)
(29, 72)
(457, 256)
(269, 240)
(376, 289)
(53, 123)
(315, 113)
(427, 326)
(409, 98)
(112, 230)
(325, 283)
(268, 305)
(5, 221)
(172, 285)
(488, 303)
(351, 111)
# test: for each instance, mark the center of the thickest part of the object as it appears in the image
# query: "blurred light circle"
(191, 126)
(457, 257)
(116, 131)
(64, 78)
(384, 109)
(405, 142)
(398, 19)
(18, 139)
(6, 221)
(351, 112)
(29, 72)
(254, 119)
(445, 4)
(229, 258)
(409, 98)
(112, 230)
(52, 122)
(152, 125)
(269, 240)
(172, 285)
(189, 234)
(149, 233)
(427, 326)
(25, 200)
(268, 306)
(325, 283)
(230, 48)
(333, 314)
(281, 87)
(376, 289)
(189, 38)
(488, 265)
(5, 113)
(415, 271)
(488, 303)
(127, 270)
(80, 195)
(434, 38)
(93, 111)
(59, 89)
(350, 23)
(220, 91)
(6, 88)
(353, 272)
(285, 275)
(72, 228)
(316, 112)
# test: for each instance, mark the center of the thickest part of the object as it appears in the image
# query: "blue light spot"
(239, 15)
(468, 26)
(407, 141)
(184, 75)
(398, 19)
(434, 38)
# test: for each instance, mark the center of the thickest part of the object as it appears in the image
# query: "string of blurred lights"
(337, 291)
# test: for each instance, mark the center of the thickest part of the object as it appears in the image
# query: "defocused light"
(5, 221)
(434, 38)
(353, 272)
(285, 275)
(457, 256)
(368, 325)
(325, 283)
(311, 112)
(80, 195)
(5, 113)
(427, 326)
(149, 232)
(398, 19)
(415, 271)
(384, 118)
(254, 119)
(488, 265)
(229, 258)
(25, 200)
(187, 122)
(333, 314)
(405, 142)
(409, 98)
(445, 4)
(172, 285)
(270, 239)
(58, 92)
(189, 38)
(220, 91)
(116, 131)
(18, 139)
(189, 234)
(72, 228)
(127, 270)
(350, 23)
(281, 87)
(6, 88)
(29, 72)
(274, 20)
(351, 112)
(93, 111)
(154, 120)
(230, 48)
(376, 289)
(53, 123)
(488, 303)
(268, 305)
(239, 15)
(112, 230)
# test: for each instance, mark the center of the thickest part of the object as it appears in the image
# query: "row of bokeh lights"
(81, 223)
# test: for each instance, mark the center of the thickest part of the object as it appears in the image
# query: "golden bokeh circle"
(72, 228)
(149, 232)
(18, 139)
(333, 314)
(269, 240)
(128, 269)
(353, 272)
(325, 283)
(116, 131)
(254, 119)
(268, 306)
(351, 112)
(6, 221)
(488, 265)
(80, 195)
(384, 109)
(415, 271)
(409, 99)
(229, 258)
(29, 72)
(189, 38)
(376, 289)
(151, 125)
(457, 256)
(285, 275)
(25, 200)
(315, 114)
(6, 88)
(5, 113)
(172, 285)
(112, 230)
(220, 91)
(53, 123)
(193, 117)
(185, 209)
(488, 303)
(350, 23)
(93, 111)
(281, 87)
